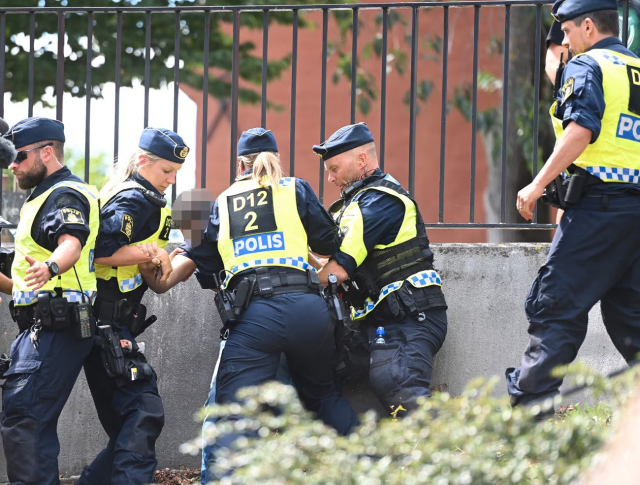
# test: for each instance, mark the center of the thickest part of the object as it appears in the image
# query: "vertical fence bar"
(176, 71)
(88, 92)
(536, 101)
(474, 115)
(294, 80)
(147, 68)
(116, 124)
(59, 66)
(505, 113)
(443, 121)
(32, 35)
(383, 85)
(265, 57)
(234, 94)
(176, 88)
(3, 31)
(414, 81)
(354, 64)
(323, 94)
(205, 97)
(625, 22)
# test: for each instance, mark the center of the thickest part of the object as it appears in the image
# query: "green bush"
(471, 439)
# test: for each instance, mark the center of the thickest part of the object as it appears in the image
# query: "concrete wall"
(485, 286)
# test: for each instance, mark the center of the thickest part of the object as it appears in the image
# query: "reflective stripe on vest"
(26, 245)
(615, 155)
(23, 298)
(261, 226)
(418, 280)
(297, 263)
(129, 277)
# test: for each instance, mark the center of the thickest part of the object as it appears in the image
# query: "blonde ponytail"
(266, 168)
(125, 169)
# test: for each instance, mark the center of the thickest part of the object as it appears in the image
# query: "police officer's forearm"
(573, 142)
(6, 285)
(67, 253)
(552, 60)
(332, 267)
(125, 256)
(183, 268)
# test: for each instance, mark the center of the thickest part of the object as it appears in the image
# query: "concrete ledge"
(485, 286)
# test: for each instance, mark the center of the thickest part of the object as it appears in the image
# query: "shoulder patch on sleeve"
(567, 89)
(71, 216)
(126, 227)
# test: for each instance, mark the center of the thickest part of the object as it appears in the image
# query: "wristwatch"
(53, 268)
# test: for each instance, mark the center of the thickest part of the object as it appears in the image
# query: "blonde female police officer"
(595, 255)
(52, 273)
(134, 230)
(260, 231)
(385, 253)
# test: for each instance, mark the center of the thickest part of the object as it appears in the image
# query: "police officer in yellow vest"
(257, 240)
(596, 249)
(386, 256)
(134, 229)
(54, 285)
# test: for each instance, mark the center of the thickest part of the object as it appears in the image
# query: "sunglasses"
(23, 154)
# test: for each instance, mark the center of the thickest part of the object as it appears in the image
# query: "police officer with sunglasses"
(54, 284)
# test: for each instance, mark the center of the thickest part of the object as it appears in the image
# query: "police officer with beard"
(595, 252)
(54, 284)
(385, 255)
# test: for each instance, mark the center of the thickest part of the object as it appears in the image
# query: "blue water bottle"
(380, 336)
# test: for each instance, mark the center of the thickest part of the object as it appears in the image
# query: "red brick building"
(428, 128)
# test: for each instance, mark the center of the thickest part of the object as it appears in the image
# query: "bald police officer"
(53, 280)
(595, 252)
(386, 256)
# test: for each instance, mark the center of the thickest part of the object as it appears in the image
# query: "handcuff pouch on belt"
(122, 364)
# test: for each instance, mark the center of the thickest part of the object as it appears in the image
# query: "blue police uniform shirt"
(145, 216)
(322, 234)
(382, 216)
(49, 223)
(586, 105)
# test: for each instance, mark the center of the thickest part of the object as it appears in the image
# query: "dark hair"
(606, 21)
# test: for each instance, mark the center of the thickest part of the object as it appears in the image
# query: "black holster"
(122, 313)
(565, 193)
(120, 364)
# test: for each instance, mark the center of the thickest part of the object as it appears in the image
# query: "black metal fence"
(7, 15)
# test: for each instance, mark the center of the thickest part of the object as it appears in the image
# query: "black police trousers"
(400, 370)
(132, 415)
(595, 256)
(298, 325)
(39, 382)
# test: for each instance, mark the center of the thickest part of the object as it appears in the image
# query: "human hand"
(150, 250)
(37, 275)
(527, 198)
